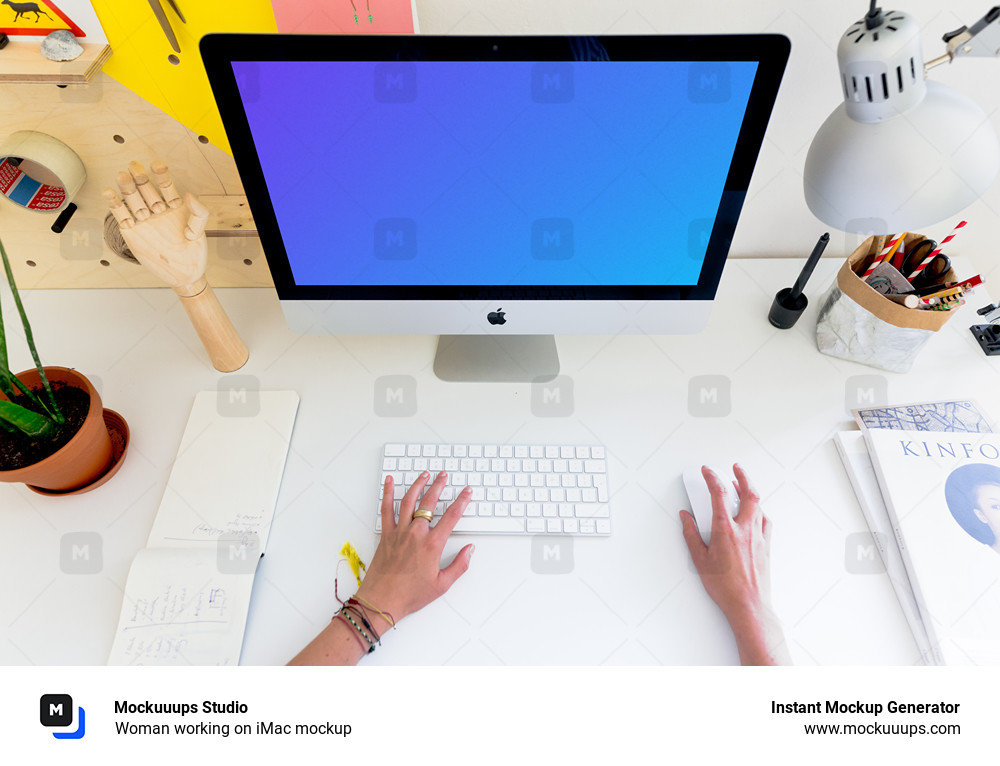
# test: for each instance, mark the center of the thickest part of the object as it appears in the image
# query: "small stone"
(61, 45)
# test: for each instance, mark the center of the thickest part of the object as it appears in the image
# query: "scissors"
(933, 272)
(917, 253)
(161, 17)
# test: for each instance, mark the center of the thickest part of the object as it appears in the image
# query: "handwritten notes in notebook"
(188, 591)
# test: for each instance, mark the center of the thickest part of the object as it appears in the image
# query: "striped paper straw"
(887, 252)
(923, 264)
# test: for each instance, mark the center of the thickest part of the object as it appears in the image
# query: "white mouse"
(701, 500)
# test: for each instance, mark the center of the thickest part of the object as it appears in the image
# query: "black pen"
(807, 270)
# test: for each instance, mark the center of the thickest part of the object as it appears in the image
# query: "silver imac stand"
(496, 358)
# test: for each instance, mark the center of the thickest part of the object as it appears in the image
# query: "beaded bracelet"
(339, 616)
(347, 615)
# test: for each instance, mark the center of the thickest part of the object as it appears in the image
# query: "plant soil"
(19, 451)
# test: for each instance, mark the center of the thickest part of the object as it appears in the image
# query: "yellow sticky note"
(144, 61)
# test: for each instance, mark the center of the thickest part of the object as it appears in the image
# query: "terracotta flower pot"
(82, 460)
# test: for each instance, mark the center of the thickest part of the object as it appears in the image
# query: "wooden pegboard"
(107, 125)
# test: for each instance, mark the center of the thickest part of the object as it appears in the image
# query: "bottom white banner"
(492, 715)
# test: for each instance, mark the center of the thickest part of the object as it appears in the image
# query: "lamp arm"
(981, 39)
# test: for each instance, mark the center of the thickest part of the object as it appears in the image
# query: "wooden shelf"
(22, 62)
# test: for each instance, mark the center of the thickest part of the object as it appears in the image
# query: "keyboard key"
(389, 464)
(595, 466)
(490, 450)
(570, 526)
(597, 453)
(413, 450)
(591, 511)
(517, 509)
(550, 509)
(475, 450)
(582, 453)
(551, 452)
(460, 450)
(444, 450)
(520, 452)
(536, 452)
(553, 526)
(395, 450)
(603, 527)
(405, 464)
(501, 509)
(490, 480)
(492, 524)
(587, 526)
(506, 450)
(534, 509)
(428, 450)
(535, 525)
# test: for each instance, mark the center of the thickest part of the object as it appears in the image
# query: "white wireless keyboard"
(517, 489)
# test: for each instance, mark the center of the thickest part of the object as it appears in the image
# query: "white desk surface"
(633, 598)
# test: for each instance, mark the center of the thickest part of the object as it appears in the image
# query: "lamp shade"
(901, 152)
(906, 172)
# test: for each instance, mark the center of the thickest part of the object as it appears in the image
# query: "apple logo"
(496, 317)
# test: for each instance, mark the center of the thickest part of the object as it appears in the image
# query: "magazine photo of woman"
(973, 495)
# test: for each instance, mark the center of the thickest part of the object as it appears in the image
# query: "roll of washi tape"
(39, 172)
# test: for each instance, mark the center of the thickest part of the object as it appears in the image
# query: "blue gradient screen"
(495, 173)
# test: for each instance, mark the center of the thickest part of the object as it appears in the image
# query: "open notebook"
(188, 591)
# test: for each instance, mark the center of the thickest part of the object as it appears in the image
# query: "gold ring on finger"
(423, 513)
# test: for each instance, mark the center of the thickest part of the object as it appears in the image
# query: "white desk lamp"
(901, 152)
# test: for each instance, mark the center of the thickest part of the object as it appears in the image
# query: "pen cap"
(786, 310)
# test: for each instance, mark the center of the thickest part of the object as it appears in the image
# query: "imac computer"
(495, 191)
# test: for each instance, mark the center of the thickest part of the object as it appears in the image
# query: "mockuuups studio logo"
(551, 555)
(238, 396)
(857, 230)
(552, 82)
(552, 398)
(552, 239)
(866, 391)
(395, 82)
(82, 240)
(81, 553)
(236, 554)
(861, 554)
(396, 396)
(709, 396)
(709, 82)
(247, 75)
(395, 239)
(56, 712)
(699, 232)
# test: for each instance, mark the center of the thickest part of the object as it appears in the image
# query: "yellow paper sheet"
(141, 58)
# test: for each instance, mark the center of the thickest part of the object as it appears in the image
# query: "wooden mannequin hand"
(166, 234)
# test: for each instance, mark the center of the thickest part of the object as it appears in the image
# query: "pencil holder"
(857, 323)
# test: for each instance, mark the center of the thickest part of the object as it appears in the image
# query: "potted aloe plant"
(53, 435)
